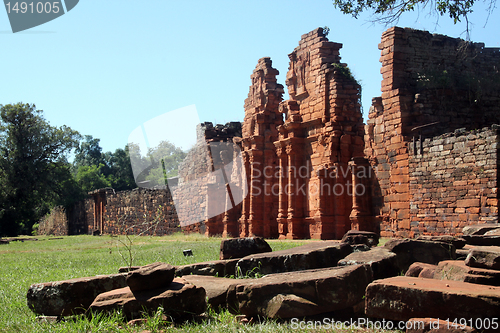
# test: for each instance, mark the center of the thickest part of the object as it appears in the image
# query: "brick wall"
(139, 211)
(453, 181)
(432, 84)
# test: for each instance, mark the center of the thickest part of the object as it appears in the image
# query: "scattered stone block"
(361, 237)
(221, 292)
(310, 256)
(127, 269)
(219, 268)
(422, 270)
(483, 240)
(494, 232)
(435, 325)
(382, 262)
(152, 276)
(403, 298)
(479, 229)
(65, 298)
(457, 270)
(303, 293)
(484, 257)
(458, 242)
(462, 254)
(409, 251)
(241, 247)
(4, 241)
(179, 299)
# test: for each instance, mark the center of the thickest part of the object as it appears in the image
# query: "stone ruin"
(426, 162)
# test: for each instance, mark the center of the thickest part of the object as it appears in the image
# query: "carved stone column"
(245, 207)
(361, 216)
(295, 198)
(283, 195)
(255, 219)
(324, 219)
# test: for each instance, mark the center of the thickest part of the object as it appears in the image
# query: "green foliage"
(35, 227)
(344, 70)
(164, 159)
(389, 11)
(94, 169)
(91, 177)
(121, 174)
(33, 164)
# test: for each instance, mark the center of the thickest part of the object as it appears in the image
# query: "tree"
(389, 11)
(88, 152)
(94, 169)
(90, 177)
(33, 166)
(122, 176)
(165, 159)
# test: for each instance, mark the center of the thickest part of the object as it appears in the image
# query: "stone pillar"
(245, 205)
(324, 220)
(295, 218)
(283, 195)
(361, 216)
(255, 221)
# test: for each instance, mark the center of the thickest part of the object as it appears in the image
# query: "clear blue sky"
(108, 66)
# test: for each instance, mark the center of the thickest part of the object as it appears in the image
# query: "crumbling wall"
(323, 131)
(139, 211)
(432, 84)
(202, 196)
(453, 181)
(262, 118)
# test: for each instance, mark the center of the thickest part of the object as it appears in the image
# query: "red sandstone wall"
(262, 118)
(432, 84)
(320, 131)
(453, 182)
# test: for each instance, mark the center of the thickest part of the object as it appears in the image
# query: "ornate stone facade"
(297, 152)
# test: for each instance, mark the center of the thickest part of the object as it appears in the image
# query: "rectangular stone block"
(402, 298)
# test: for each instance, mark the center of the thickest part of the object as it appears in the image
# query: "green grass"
(48, 259)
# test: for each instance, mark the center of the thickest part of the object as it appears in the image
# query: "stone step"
(65, 298)
(402, 298)
(484, 257)
(178, 300)
(309, 256)
(304, 293)
(457, 270)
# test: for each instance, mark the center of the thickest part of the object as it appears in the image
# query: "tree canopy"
(389, 11)
(35, 173)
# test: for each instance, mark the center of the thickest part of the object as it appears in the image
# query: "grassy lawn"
(50, 259)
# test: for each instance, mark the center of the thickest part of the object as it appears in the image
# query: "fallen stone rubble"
(313, 279)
